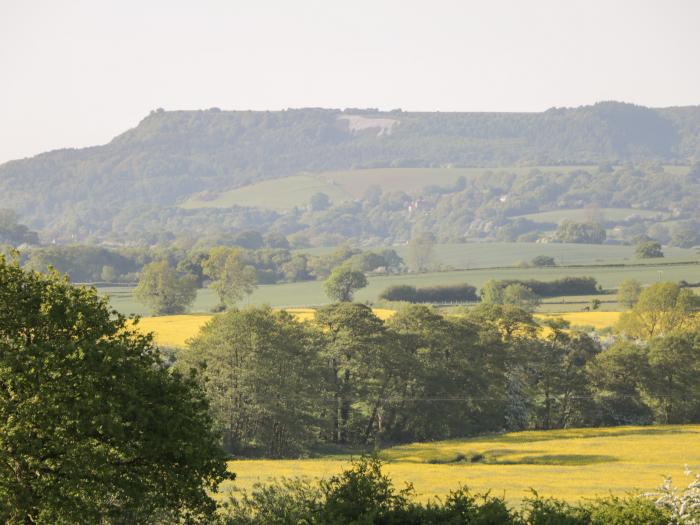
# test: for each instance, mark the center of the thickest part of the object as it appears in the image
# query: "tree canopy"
(93, 426)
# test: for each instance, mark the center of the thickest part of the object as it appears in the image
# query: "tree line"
(280, 388)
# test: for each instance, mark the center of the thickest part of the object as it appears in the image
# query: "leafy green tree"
(558, 382)
(491, 292)
(445, 359)
(543, 261)
(319, 201)
(583, 233)
(648, 250)
(343, 283)
(616, 376)
(421, 250)
(108, 274)
(261, 371)
(359, 353)
(93, 427)
(672, 377)
(232, 278)
(163, 290)
(628, 292)
(661, 309)
(13, 233)
(509, 321)
(520, 295)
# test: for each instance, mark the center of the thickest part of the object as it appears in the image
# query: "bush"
(431, 294)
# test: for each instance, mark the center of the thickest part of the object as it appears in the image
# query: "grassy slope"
(581, 215)
(277, 194)
(568, 464)
(499, 254)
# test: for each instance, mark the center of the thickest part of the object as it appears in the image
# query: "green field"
(500, 254)
(311, 293)
(277, 194)
(567, 464)
(582, 214)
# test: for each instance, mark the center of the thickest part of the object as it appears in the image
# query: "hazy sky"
(76, 73)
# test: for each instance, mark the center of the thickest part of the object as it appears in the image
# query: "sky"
(77, 73)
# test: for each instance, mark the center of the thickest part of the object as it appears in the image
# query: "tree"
(261, 372)
(420, 251)
(671, 382)
(628, 292)
(13, 233)
(648, 250)
(491, 292)
(616, 375)
(249, 239)
(520, 295)
(543, 261)
(583, 233)
(556, 371)
(108, 274)
(163, 290)
(319, 201)
(232, 279)
(343, 283)
(359, 354)
(661, 309)
(276, 240)
(93, 427)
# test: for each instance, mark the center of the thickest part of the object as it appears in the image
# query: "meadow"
(570, 464)
(278, 194)
(310, 293)
(582, 215)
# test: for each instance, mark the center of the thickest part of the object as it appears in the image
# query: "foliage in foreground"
(93, 427)
(363, 495)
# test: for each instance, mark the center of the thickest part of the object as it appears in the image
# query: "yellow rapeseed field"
(175, 330)
(597, 320)
(567, 464)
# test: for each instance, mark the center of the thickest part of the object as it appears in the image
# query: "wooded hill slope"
(170, 156)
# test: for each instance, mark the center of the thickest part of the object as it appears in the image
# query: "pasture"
(501, 254)
(583, 215)
(568, 464)
(310, 293)
(277, 194)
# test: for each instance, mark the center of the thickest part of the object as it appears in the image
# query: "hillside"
(142, 175)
